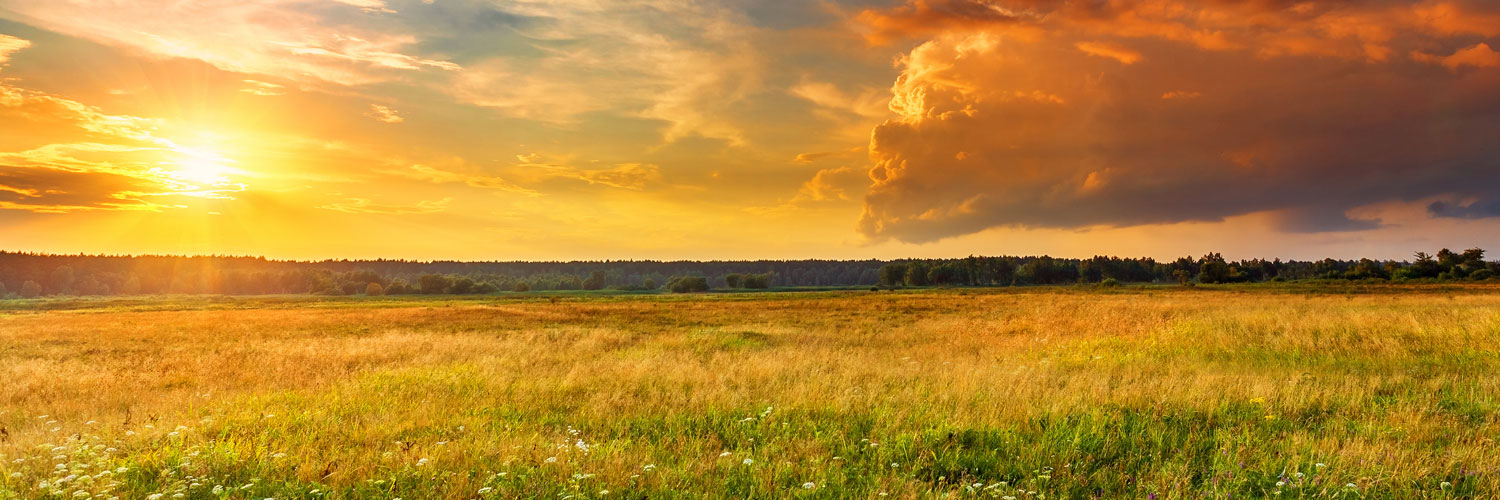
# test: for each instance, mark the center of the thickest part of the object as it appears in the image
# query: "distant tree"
(761, 281)
(62, 279)
(1448, 260)
(462, 285)
(398, 286)
(3, 291)
(893, 274)
(595, 281)
(131, 286)
(1482, 274)
(1182, 277)
(433, 283)
(687, 284)
(30, 290)
(520, 286)
(732, 280)
(374, 289)
(1213, 269)
(1424, 267)
(650, 284)
(916, 273)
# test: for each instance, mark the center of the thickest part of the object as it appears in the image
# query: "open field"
(997, 393)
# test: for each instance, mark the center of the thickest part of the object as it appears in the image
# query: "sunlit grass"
(1035, 393)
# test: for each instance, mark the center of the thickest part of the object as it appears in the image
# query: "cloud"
(384, 114)
(632, 176)
(1479, 56)
(1112, 51)
(815, 157)
(298, 40)
(260, 88)
(9, 45)
(365, 206)
(1009, 118)
(682, 62)
(66, 156)
(1479, 209)
(436, 175)
(830, 184)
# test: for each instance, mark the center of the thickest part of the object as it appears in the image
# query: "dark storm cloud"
(1193, 114)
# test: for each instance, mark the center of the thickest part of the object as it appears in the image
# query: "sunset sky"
(732, 129)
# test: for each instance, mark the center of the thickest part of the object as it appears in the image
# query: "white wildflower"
(725, 454)
(809, 485)
(748, 461)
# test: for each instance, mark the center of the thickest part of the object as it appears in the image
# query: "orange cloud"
(1112, 51)
(1479, 56)
(1054, 132)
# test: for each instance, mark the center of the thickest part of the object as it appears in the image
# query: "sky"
(726, 129)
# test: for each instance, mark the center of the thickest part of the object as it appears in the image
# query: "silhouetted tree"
(30, 290)
(374, 290)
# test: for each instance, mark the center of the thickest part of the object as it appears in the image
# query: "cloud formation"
(1077, 114)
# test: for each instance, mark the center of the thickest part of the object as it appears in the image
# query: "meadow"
(1016, 393)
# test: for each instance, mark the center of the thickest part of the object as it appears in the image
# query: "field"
(1376, 392)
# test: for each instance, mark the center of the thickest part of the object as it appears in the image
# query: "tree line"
(34, 275)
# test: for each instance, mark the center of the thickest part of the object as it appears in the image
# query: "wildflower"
(485, 489)
(748, 461)
(154, 496)
(725, 454)
(218, 489)
(649, 467)
(422, 462)
(1320, 465)
(1280, 484)
(1351, 486)
(551, 460)
(893, 465)
(809, 485)
(603, 492)
(1445, 485)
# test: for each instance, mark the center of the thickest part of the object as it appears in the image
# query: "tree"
(762, 280)
(1213, 269)
(433, 283)
(521, 286)
(131, 286)
(595, 281)
(62, 279)
(374, 289)
(916, 273)
(31, 290)
(687, 284)
(893, 274)
(732, 280)
(650, 284)
(462, 285)
(3, 291)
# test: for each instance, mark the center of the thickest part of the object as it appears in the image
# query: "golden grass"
(1054, 392)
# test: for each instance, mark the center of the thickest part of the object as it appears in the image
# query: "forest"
(27, 275)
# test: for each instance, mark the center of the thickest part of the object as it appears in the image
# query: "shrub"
(1482, 274)
(1110, 283)
(30, 290)
(521, 286)
(687, 284)
(374, 290)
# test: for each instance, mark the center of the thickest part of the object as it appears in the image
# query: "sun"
(206, 168)
(201, 169)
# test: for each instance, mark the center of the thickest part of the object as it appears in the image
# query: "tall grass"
(1042, 393)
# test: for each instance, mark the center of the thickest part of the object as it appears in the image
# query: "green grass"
(966, 393)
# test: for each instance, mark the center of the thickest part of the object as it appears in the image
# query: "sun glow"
(201, 169)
